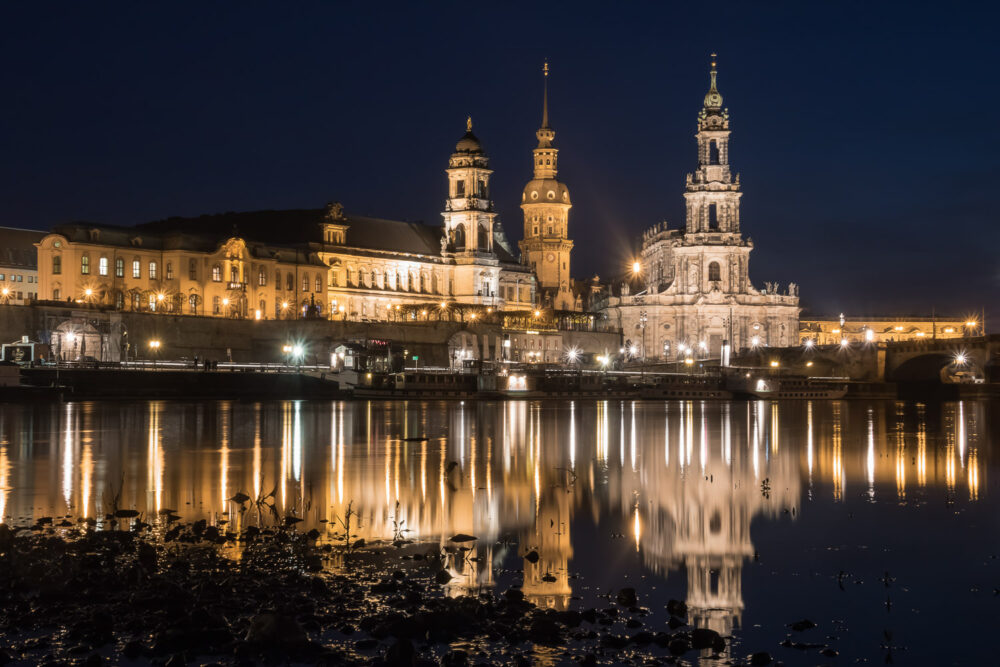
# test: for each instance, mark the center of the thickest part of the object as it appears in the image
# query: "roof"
(17, 247)
(266, 232)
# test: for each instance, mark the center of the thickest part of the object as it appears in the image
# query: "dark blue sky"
(866, 134)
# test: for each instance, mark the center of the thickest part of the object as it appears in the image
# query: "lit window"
(152, 270)
(262, 278)
(102, 266)
(305, 283)
(57, 265)
(136, 268)
(119, 268)
(170, 271)
(319, 284)
(85, 265)
(216, 273)
(192, 269)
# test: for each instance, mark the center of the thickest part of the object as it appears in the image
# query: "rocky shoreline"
(197, 594)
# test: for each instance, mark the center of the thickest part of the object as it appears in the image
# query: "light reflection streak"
(156, 458)
(871, 455)
(5, 467)
(632, 437)
(71, 429)
(809, 439)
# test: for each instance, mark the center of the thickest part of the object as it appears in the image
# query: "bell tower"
(545, 201)
(713, 195)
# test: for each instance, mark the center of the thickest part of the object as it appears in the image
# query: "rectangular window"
(192, 269)
(305, 283)
(152, 302)
(262, 278)
(119, 268)
(319, 284)
(57, 265)
(216, 273)
(55, 294)
(85, 265)
(102, 266)
(20, 278)
(136, 269)
(170, 270)
(277, 279)
(216, 305)
(193, 304)
(152, 270)
(1, 276)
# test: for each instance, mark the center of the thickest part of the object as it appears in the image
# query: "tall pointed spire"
(713, 100)
(545, 95)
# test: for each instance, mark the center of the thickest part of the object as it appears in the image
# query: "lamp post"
(643, 317)
(154, 349)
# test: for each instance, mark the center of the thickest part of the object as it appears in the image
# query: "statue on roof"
(335, 212)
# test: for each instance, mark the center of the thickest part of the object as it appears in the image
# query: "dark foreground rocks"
(197, 594)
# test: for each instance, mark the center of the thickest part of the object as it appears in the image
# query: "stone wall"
(185, 336)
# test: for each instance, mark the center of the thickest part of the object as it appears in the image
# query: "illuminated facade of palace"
(832, 330)
(696, 292)
(285, 264)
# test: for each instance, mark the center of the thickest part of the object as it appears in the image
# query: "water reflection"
(682, 481)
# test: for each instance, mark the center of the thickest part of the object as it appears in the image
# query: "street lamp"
(154, 349)
(636, 268)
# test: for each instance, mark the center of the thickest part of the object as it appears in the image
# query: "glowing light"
(809, 363)
(774, 363)
(472, 316)
(286, 348)
(689, 361)
(443, 305)
(159, 297)
(87, 292)
(636, 267)
(424, 313)
(755, 341)
(844, 342)
(810, 342)
(960, 358)
(899, 328)
(972, 323)
(920, 334)
(5, 291)
(702, 345)
(154, 344)
(633, 350)
(538, 313)
(225, 302)
(284, 304)
(297, 350)
(257, 314)
(573, 354)
(869, 335)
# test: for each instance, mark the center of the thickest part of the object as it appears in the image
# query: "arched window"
(305, 282)
(57, 265)
(713, 152)
(262, 279)
(119, 268)
(459, 237)
(319, 284)
(483, 242)
(289, 282)
(152, 270)
(713, 216)
(234, 274)
(374, 279)
(102, 266)
(216, 273)
(193, 304)
(714, 272)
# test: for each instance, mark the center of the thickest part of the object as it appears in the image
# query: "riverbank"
(175, 593)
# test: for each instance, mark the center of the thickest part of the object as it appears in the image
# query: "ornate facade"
(287, 264)
(695, 292)
(545, 201)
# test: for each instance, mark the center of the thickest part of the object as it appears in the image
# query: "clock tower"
(545, 201)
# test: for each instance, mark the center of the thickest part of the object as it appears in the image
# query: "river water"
(874, 520)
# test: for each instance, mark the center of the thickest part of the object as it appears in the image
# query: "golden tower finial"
(468, 123)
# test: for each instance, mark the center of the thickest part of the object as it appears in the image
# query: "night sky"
(866, 134)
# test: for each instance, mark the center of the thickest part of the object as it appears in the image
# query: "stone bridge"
(911, 361)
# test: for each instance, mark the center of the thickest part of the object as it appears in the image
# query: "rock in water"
(627, 598)
(275, 629)
(801, 626)
(462, 537)
(442, 577)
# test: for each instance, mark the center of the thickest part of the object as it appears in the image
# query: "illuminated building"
(695, 290)
(832, 330)
(288, 264)
(18, 265)
(545, 201)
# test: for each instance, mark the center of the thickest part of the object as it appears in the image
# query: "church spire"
(713, 100)
(545, 95)
(545, 133)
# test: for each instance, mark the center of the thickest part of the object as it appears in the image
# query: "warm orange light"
(225, 302)
(636, 267)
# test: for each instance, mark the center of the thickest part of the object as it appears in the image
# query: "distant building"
(286, 264)
(694, 289)
(832, 330)
(18, 265)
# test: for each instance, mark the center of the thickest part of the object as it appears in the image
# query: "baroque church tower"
(545, 201)
(469, 221)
